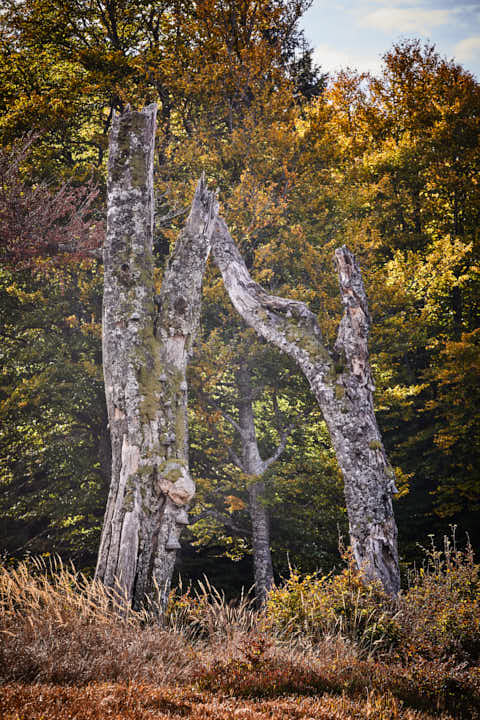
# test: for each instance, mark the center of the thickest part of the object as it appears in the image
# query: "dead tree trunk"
(146, 342)
(341, 381)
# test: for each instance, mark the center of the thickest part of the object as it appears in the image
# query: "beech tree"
(341, 381)
(251, 462)
(146, 342)
(248, 459)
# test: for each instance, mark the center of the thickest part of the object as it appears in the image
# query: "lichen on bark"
(341, 381)
(145, 354)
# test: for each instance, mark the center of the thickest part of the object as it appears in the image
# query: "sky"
(355, 33)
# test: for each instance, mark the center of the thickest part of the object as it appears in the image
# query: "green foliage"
(315, 607)
(53, 444)
(437, 618)
(388, 165)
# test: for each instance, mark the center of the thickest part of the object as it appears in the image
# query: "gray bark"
(146, 343)
(341, 381)
(252, 464)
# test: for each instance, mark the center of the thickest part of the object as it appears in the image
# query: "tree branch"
(280, 449)
(225, 414)
(288, 324)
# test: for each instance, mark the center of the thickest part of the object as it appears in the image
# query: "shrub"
(323, 637)
(436, 618)
(316, 607)
(440, 611)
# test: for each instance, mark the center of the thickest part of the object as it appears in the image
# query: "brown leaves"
(137, 702)
(59, 630)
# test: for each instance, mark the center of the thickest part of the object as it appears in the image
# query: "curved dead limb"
(341, 381)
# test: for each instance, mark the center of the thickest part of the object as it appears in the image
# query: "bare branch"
(166, 220)
(288, 324)
(231, 420)
(231, 453)
(280, 449)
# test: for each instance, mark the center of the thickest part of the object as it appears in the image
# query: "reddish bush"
(41, 222)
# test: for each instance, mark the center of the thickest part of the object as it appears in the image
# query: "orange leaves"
(234, 503)
(71, 321)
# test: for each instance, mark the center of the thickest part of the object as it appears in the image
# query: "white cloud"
(468, 49)
(332, 59)
(411, 19)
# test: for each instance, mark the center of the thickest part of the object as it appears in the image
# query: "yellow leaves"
(92, 328)
(57, 105)
(24, 296)
(400, 396)
(71, 321)
(402, 482)
(157, 280)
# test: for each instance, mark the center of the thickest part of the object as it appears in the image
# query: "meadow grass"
(324, 646)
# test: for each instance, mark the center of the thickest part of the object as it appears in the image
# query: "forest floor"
(330, 648)
(118, 701)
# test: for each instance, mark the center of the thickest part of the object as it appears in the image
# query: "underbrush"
(137, 702)
(436, 618)
(332, 638)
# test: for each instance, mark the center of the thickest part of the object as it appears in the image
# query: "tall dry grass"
(57, 626)
(330, 637)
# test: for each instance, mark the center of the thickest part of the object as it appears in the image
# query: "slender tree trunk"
(341, 381)
(253, 465)
(145, 352)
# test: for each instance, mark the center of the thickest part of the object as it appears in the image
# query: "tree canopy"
(388, 165)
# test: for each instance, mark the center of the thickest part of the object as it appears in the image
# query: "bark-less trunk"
(146, 342)
(341, 381)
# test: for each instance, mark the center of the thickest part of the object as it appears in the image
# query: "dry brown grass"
(67, 652)
(59, 627)
(138, 702)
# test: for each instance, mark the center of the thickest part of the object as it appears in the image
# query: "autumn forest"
(297, 163)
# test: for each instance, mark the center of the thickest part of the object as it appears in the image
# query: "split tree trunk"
(341, 381)
(146, 342)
